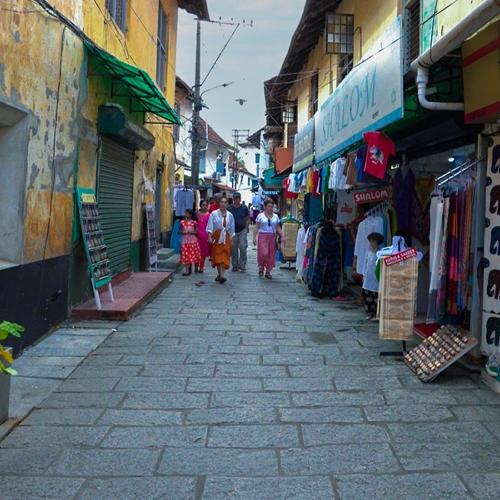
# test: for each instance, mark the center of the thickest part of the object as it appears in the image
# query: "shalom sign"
(369, 98)
(371, 196)
(303, 152)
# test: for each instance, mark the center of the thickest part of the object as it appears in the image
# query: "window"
(118, 11)
(161, 48)
(339, 33)
(289, 111)
(345, 66)
(412, 25)
(249, 181)
(313, 95)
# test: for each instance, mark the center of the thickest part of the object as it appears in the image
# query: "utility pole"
(197, 107)
(238, 135)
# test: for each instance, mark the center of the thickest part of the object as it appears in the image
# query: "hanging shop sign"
(303, 154)
(369, 98)
(490, 341)
(371, 196)
(400, 257)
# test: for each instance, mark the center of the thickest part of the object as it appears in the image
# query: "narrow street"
(253, 390)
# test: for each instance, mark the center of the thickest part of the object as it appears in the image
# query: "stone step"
(170, 264)
(165, 254)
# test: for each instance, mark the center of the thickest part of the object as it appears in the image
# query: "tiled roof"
(213, 136)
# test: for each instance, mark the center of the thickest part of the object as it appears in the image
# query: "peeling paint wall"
(136, 46)
(34, 51)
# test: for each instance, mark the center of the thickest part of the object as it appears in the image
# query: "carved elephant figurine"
(493, 331)
(495, 241)
(495, 200)
(495, 164)
(493, 289)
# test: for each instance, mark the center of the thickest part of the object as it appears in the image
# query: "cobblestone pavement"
(253, 390)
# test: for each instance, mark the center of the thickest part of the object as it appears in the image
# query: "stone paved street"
(253, 390)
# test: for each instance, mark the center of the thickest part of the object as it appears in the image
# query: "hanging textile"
(403, 189)
(397, 299)
(300, 249)
(436, 236)
(326, 277)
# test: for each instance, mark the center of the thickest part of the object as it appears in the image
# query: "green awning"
(132, 82)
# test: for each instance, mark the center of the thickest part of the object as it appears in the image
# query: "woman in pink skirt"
(267, 228)
(203, 215)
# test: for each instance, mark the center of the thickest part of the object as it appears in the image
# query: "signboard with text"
(396, 258)
(369, 98)
(303, 153)
(371, 196)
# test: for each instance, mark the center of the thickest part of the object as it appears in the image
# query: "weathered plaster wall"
(31, 45)
(136, 46)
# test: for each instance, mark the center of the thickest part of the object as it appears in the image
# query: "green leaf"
(10, 371)
(3, 334)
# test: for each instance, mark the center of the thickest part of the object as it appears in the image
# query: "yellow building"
(86, 100)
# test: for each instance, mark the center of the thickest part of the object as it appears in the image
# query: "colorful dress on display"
(190, 249)
(203, 237)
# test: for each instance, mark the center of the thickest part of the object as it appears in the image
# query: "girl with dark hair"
(190, 249)
(203, 216)
(267, 229)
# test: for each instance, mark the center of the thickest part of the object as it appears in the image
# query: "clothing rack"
(454, 172)
(377, 209)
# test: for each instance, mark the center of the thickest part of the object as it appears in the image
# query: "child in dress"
(190, 248)
(370, 281)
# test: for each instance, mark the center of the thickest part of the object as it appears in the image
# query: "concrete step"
(165, 254)
(170, 264)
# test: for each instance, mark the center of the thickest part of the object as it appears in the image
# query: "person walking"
(220, 229)
(190, 249)
(240, 241)
(267, 229)
(202, 218)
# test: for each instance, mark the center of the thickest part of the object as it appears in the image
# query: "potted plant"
(7, 329)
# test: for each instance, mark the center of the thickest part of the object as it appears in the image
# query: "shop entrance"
(115, 193)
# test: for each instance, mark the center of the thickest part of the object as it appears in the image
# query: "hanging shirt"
(380, 147)
(372, 224)
(370, 281)
(315, 183)
(184, 200)
(351, 169)
(290, 195)
(346, 208)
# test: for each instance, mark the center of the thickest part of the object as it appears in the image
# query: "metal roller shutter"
(115, 195)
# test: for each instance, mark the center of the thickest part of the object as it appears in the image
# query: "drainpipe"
(470, 24)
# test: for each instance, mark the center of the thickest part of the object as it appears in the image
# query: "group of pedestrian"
(220, 231)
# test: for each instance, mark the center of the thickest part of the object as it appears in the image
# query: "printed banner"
(400, 257)
(491, 277)
(371, 196)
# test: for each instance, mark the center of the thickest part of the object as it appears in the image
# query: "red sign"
(371, 196)
(396, 258)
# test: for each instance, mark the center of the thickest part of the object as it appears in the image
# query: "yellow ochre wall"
(30, 57)
(369, 24)
(136, 46)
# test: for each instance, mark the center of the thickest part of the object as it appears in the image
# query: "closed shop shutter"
(115, 194)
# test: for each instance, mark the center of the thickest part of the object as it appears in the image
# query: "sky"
(254, 55)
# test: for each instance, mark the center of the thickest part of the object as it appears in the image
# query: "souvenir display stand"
(398, 297)
(94, 244)
(290, 227)
(438, 352)
(151, 238)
